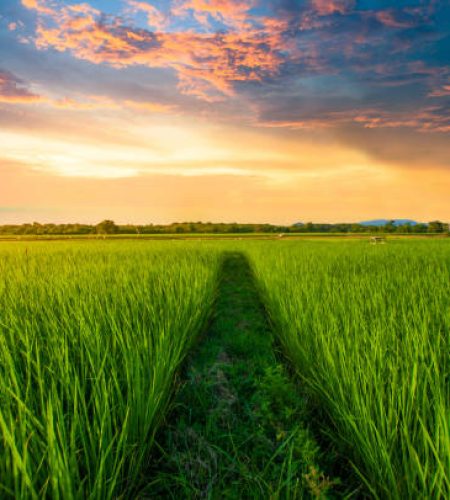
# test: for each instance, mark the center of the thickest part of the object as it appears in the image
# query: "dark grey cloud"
(405, 147)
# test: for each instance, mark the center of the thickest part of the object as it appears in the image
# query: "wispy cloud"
(233, 13)
(444, 91)
(155, 18)
(431, 119)
(327, 7)
(14, 91)
(428, 119)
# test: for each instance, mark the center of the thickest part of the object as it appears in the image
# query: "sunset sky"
(225, 110)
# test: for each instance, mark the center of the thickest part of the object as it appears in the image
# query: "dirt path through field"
(238, 428)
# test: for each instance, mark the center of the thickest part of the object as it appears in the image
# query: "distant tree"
(390, 226)
(106, 227)
(404, 228)
(109, 227)
(436, 226)
(420, 228)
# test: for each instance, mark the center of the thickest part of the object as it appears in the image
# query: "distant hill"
(383, 222)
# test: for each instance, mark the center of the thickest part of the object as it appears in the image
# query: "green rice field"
(368, 332)
(337, 353)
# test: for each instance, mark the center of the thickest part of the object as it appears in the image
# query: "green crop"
(368, 330)
(91, 336)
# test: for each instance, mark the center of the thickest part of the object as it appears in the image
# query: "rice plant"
(91, 337)
(368, 330)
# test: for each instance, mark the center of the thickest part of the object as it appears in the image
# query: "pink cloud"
(328, 7)
(207, 64)
(394, 19)
(442, 92)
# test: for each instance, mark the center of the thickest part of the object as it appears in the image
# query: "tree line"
(110, 227)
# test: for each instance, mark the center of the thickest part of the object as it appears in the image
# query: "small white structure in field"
(374, 240)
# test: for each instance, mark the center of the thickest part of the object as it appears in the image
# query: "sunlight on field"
(91, 336)
(93, 333)
(367, 328)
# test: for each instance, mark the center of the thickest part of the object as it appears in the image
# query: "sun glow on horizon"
(278, 113)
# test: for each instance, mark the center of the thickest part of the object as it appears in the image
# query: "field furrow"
(239, 425)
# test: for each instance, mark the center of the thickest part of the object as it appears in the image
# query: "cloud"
(207, 64)
(306, 124)
(39, 6)
(14, 91)
(395, 18)
(431, 119)
(96, 102)
(328, 7)
(315, 66)
(151, 107)
(442, 92)
(155, 19)
(426, 119)
(231, 12)
(85, 103)
(405, 148)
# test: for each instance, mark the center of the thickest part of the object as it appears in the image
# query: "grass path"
(238, 428)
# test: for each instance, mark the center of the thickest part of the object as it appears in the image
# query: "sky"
(155, 111)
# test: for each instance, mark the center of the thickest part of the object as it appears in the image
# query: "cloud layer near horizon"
(270, 94)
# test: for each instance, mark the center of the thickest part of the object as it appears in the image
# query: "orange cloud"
(20, 99)
(328, 7)
(145, 106)
(87, 103)
(207, 64)
(297, 124)
(38, 5)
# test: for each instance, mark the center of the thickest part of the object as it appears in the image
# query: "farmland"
(367, 329)
(91, 339)
(305, 368)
